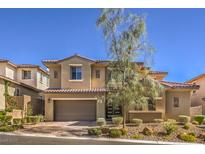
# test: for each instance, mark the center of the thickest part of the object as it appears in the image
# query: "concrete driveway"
(70, 128)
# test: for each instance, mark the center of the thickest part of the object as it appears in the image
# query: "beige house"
(23, 79)
(198, 96)
(78, 92)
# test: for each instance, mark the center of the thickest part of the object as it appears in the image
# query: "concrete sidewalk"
(36, 139)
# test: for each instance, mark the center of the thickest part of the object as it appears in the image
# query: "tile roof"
(32, 66)
(179, 85)
(3, 60)
(157, 72)
(195, 78)
(61, 90)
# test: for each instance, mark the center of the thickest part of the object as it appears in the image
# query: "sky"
(28, 36)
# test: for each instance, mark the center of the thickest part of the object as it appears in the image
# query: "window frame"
(26, 75)
(55, 74)
(97, 74)
(175, 99)
(77, 73)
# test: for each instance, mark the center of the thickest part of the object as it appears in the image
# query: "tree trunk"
(124, 115)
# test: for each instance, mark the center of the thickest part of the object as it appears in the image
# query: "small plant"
(183, 119)
(147, 131)
(136, 136)
(186, 126)
(6, 128)
(2, 113)
(117, 121)
(202, 136)
(5, 120)
(94, 131)
(171, 120)
(195, 122)
(158, 120)
(115, 133)
(17, 121)
(187, 137)
(124, 131)
(105, 130)
(137, 122)
(41, 117)
(101, 122)
(199, 118)
(170, 127)
(33, 119)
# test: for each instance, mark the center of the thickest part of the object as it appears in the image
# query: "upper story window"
(97, 74)
(176, 101)
(26, 74)
(41, 78)
(76, 73)
(55, 74)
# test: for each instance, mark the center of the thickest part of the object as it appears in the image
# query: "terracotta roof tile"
(157, 72)
(61, 90)
(179, 85)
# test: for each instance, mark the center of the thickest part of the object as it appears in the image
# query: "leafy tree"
(126, 37)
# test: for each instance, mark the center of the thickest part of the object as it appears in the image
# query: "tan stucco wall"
(49, 105)
(10, 71)
(98, 82)
(184, 103)
(2, 97)
(2, 69)
(86, 74)
(55, 82)
(33, 81)
(42, 84)
(196, 98)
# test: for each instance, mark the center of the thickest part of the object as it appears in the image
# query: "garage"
(75, 110)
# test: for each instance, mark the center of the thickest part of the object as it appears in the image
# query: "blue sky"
(31, 35)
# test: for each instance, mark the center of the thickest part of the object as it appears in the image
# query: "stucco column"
(100, 108)
(49, 109)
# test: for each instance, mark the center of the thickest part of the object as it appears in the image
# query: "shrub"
(136, 136)
(158, 120)
(170, 127)
(137, 122)
(117, 120)
(101, 122)
(2, 113)
(187, 137)
(184, 119)
(23, 121)
(105, 130)
(199, 118)
(195, 122)
(115, 133)
(186, 126)
(41, 117)
(147, 131)
(33, 119)
(202, 136)
(5, 120)
(6, 128)
(8, 110)
(124, 131)
(17, 121)
(171, 120)
(94, 131)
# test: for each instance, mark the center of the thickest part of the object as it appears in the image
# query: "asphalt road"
(6, 139)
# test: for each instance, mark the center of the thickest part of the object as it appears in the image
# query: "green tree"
(130, 83)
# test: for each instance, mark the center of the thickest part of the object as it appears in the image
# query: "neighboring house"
(198, 97)
(23, 79)
(78, 92)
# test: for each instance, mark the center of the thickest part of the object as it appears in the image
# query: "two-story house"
(23, 79)
(78, 92)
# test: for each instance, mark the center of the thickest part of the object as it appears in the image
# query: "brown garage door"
(77, 110)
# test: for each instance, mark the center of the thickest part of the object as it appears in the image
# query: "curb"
(146, 142)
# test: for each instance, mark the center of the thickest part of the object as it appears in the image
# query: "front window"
(176, 101)
(26, 74)
(41, 78)
(97, 74)
(76, 73)
(55, 74)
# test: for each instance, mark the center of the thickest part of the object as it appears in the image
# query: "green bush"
(199, 118)
(101, 122)
(170, 127)
(2, 113)
(136, 136)
(17, 121)
(8, 110)
(184, 119)
(124, 131)
(6, 128)
(158, 120)
(115, 133)
(94, 131)
(187, 137)
(186, 126)
(171, 120)
(195, 122)
(147, 131)
(137, 122)
(5, 120)
(23, 121)
(33, 119)
(117, 121)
